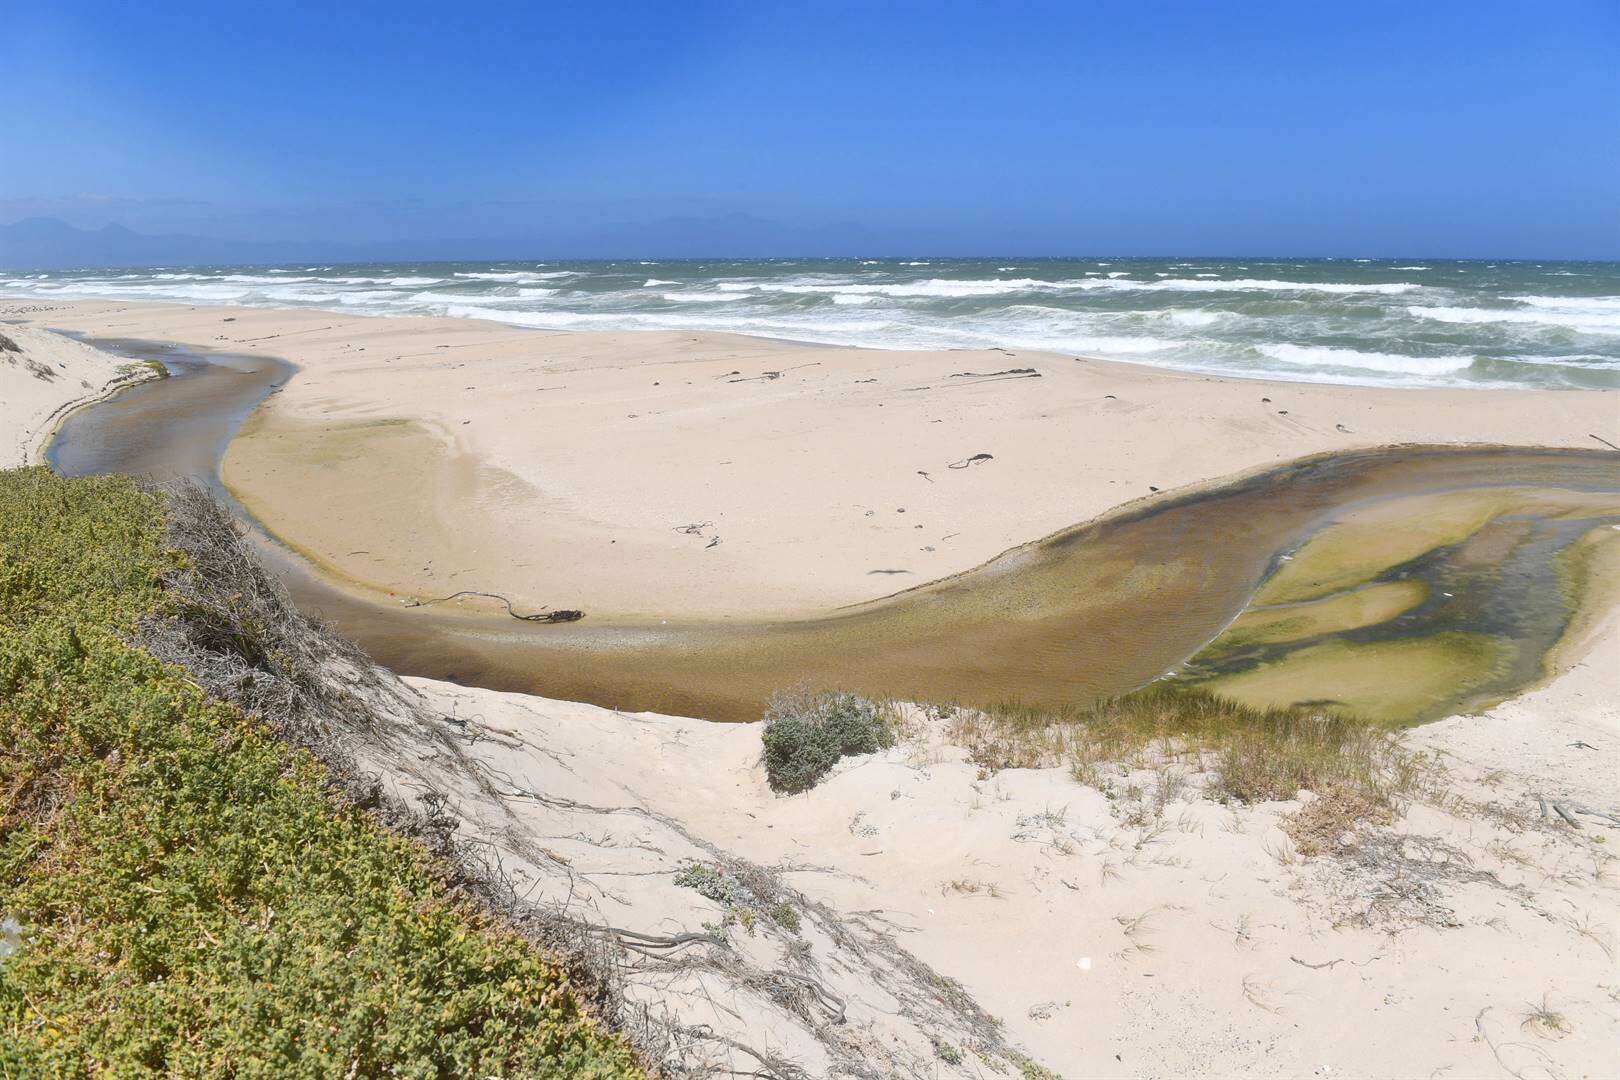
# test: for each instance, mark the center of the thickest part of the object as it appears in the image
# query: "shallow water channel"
(1096, 609)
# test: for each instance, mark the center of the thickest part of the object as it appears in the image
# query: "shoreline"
(759, 491)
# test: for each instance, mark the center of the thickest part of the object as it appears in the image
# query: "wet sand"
(1095, 609)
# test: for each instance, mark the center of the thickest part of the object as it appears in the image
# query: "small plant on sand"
(806, 733)
(971, 887)
(1544, 1021)
(744, 895)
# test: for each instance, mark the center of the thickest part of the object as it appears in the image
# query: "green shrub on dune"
(181, 892)
(806, 734)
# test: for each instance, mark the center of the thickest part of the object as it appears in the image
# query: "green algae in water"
(1492, 599)
(1392, 681)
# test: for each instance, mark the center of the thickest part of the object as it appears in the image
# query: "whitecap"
(1358, 360)
(1196, 316)
(702, 298)
(1590, 316)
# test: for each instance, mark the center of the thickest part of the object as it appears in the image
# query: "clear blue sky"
(1438, 128)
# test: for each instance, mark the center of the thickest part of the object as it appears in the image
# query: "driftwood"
(1317, 967)
(1021, 372)
(1567, 810)
(561, 615)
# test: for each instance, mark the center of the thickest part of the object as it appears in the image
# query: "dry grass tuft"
(1328, 823)
(1251, 754)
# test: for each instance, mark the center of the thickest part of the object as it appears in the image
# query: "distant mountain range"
(50, 244)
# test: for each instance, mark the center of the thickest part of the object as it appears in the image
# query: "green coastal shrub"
(180, 892)
(806, 733)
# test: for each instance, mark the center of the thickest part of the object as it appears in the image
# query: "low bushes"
(180, 891)
(806, 733)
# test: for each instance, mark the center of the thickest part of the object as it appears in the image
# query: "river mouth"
(1094, 610)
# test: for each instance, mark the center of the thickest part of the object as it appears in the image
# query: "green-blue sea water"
(1400, 322)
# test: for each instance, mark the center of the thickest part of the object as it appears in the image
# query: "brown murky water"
(1096, 609)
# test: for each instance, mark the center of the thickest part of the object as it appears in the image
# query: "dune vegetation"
(184, 893)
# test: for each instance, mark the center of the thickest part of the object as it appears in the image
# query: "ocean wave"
(432, 297)
(201, 292)
(1577, 304)
(1220, 318)
(1355, 359)
(1196, 316)
(511, 276)
(299, 296)
(1263, 285)
(702, 298)
(370, 296)
(945, 288)
(934, 288)
(1582, 316)
(835, 332)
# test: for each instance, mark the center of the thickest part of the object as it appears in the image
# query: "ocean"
(1407, 322)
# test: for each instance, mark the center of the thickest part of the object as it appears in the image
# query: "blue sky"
(1437, 128)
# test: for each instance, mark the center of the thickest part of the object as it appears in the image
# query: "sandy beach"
(666, 475)
(1178, 937)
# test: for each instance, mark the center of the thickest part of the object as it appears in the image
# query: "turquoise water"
(1403, 322)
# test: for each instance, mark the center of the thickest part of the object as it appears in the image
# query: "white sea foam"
(970, 287)
(1321, 356)
(702, 298)
(502, 275)
(1196, 316)
(370, 296)
(300, 296)
(652, 281)
(935, 287)
(1590, 315)
(1258, 285)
